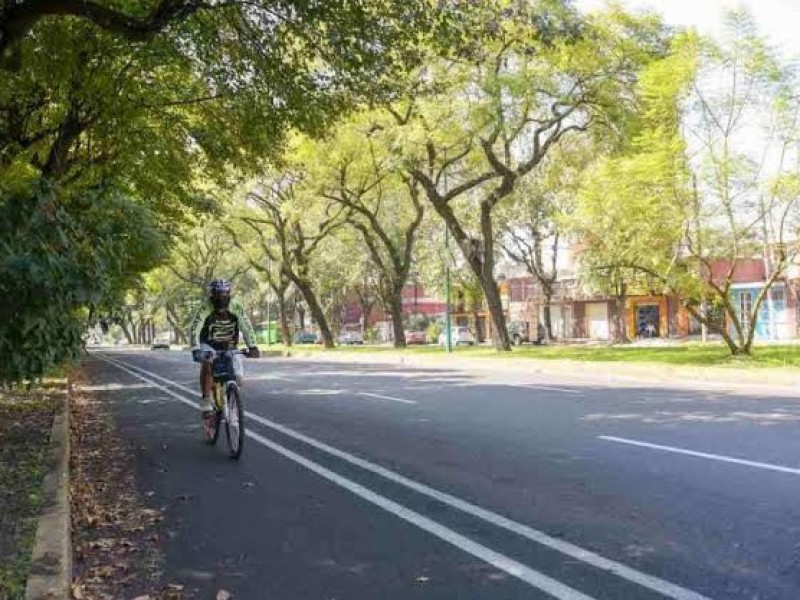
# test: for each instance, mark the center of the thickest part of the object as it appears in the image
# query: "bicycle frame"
(224, 383)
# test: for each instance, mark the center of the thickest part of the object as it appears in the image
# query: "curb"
(51, 560)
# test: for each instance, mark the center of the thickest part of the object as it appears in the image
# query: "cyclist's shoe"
(206, 405)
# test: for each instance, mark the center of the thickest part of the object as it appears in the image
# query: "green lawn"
(711, 354)
(689, 354)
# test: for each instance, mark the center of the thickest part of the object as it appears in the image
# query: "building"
(778, 315)
(580, 314)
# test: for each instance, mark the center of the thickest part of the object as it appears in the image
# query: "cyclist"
(220, 331)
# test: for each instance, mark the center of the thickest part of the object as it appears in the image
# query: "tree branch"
(18, 18)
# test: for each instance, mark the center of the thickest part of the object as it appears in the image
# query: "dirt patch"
(116, 537)
(26, 419)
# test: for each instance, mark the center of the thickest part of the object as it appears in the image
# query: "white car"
(459, 336)
(350, 338)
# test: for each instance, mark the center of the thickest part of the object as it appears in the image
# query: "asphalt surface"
(379, 481)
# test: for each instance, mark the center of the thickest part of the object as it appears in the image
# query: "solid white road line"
(383, 397)
(504, 563)
(666, 588)
(719, 457)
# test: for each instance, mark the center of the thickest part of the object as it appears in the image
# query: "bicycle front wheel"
(211, 427)
(234, 423)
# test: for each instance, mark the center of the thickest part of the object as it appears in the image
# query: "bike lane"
(263, 527)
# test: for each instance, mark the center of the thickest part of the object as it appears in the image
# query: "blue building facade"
(774, 321)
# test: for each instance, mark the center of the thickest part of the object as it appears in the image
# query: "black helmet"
(219, 293)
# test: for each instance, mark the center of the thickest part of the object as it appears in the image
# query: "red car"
(415, 337)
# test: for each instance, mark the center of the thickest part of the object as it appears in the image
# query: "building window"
(745, 306)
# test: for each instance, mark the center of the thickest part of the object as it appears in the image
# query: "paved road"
(378, 481)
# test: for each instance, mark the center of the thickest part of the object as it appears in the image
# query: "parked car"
(415, 336)
(459, 336)
(305, 337)
(160, 344)
(350, 338)
(520, 333)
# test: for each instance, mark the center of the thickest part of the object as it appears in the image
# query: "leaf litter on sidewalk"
(116, 536)
(26, 419)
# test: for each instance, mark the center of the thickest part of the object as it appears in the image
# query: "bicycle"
(227, 404)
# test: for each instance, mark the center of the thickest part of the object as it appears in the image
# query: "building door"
(648, 321)
(597, 320)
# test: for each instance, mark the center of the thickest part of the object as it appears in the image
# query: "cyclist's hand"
(254, 352)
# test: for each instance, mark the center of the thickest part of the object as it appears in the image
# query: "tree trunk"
(366, 312)
(732, 347)
(395, 308)
(172, 318)
(547, 290)
(316, 311)
(500, 337)
(57, 159)
(620, 322)
(283, 317)
(483, 266)
(737, 345)
(129, 335)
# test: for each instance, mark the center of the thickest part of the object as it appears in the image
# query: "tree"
(739, 206)
(158, 101)
(280, 210)
(263, 253)
(59, 268)
(383, 204)
(697, 205)
(535, 224)
(175, 297)
(630, 214)
(497, 118)
(191, 83)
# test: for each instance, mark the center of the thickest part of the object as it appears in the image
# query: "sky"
(779, 20)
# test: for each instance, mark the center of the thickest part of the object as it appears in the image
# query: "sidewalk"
(754, 380)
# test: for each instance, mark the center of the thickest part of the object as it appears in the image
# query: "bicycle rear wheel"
(234, 422)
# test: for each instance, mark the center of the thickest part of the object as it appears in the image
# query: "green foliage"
(635, 202)
(432, 332)
(61, 257)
